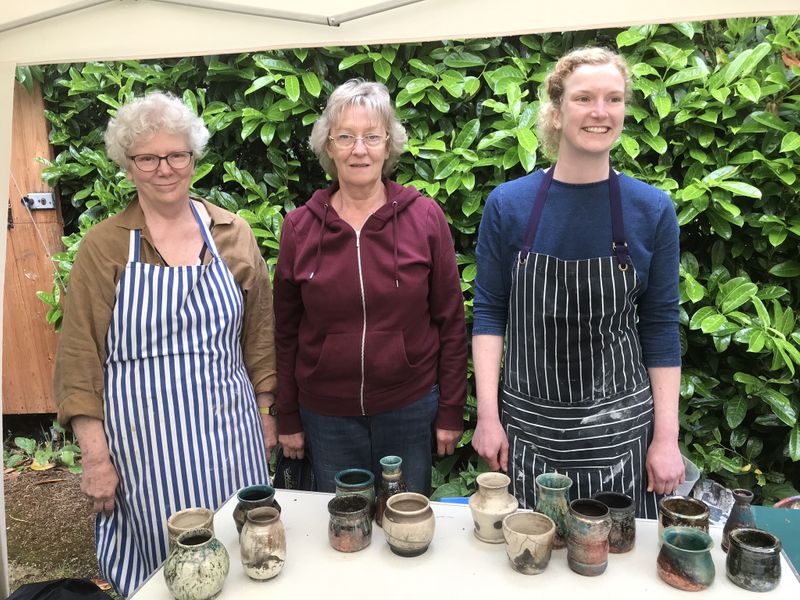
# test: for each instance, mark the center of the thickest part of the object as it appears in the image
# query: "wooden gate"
(29, 343)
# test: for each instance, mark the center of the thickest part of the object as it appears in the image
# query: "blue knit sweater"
(575, 225)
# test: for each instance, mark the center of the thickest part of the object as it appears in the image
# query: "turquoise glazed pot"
(357, 482)
(754, 560)
(197, 567)
(250, 497)
(552, 499)
(684, 561)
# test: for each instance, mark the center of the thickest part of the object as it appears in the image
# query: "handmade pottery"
(186, 519)
(680, 511)
(392, 483)
(360, 482)
(588, 526)
(197, 567)
(684, 561)
(408, 523)
(529, 541)
(552, 499)
(741, 515)
(623, 521)
(262, 543)
(490, 505)
(754, 559)
(250, 497)
(349, 526)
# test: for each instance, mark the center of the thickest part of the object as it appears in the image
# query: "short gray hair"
(375, 98)
(143, 117)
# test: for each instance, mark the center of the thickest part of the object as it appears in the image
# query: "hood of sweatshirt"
(398, 199)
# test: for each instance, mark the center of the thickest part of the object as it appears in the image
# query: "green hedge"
(714, 121)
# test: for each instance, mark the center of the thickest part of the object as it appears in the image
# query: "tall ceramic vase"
(490, 505)
(552, 499)
(263, 543)
(392, 483)
(197, 567)
(741, 515)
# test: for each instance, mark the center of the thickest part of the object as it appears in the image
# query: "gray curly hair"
(375, 98)
(143, 117)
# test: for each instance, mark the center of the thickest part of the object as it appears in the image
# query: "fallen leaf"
(102, 584)
(35, 466)
(789, 59)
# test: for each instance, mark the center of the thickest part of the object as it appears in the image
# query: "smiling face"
(592, 111)
(361, 165)
(166, 185)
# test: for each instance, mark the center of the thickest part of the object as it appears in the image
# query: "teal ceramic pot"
(197, 567)
(622, 509)
(741, 515)
(588, 526)
(684, 561)
(754, 560)
(392, 483)
(250, 497)
(552, 499)
(360, 482)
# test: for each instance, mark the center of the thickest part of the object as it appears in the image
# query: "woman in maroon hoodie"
(370, 334)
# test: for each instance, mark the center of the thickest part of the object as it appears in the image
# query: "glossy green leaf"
(790, 142)
(292, 86)
(467, 134)
(735, 411)
(739, 188)
(789, 268)
(527, 140)
(794, 444)
(629, 38)
(630, 145)
(749, 89)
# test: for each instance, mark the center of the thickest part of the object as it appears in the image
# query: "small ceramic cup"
(623, 521)
(187, 519)
(680, 511)
(684, 561)
(529, 541)
(754, 559)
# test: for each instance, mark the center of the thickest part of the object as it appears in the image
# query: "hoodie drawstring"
(394, 238)
(318, 258)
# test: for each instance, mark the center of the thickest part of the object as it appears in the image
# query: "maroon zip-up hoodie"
(367, 322)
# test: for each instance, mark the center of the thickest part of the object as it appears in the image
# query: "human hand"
(446, 440)
(99, 482)
(665, 469)
(269, 429)
(293, 444)
(491, 443)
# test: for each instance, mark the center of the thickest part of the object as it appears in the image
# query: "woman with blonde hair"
(578, 277)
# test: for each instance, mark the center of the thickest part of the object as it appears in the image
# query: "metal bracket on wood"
(39, 200)
(10, 217)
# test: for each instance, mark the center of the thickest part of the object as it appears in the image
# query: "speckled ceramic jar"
(588, 526)
(197, 567)
(754, 560)
(684, 561)
(622, 509)
(552, 499)
(490, 505)
(262, 543)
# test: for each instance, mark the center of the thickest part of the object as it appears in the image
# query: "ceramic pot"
(186, 519)
(358, 482)
(490, 505)
(680, 511)
(262, 543)
(408, 523)
(250, 497)
(741, 515)
(754, 559)
(529, 541)
(197, 567)
(622, 537)
(684, 561)
(552, 499)
(392, 483)
(349, 526)
(588, 526)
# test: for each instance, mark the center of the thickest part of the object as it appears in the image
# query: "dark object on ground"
(60, 589)
(294, 474)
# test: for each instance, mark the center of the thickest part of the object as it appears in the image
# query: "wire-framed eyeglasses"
(346, 141)
(151, 162)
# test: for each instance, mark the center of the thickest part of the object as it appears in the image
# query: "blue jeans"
(343, 442)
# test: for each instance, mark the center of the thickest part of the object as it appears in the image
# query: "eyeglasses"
(151, 162)
(346, 141)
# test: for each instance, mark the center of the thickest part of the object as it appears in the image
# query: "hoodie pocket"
(338, 369)
(386, 362)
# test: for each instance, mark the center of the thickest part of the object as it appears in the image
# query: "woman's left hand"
(665, 469)
(446, 440)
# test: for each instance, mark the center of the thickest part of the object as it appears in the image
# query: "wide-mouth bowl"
(687, 539)
(528, 523)
(354, 478)
(408, 503)
(190, 518)
(256, 493)
(755, 540)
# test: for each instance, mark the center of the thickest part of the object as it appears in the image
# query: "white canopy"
(55, 31)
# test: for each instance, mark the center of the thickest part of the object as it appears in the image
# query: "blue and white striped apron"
(180, 413)
(576, 394)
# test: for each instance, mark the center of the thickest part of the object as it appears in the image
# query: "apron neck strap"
(204, 230)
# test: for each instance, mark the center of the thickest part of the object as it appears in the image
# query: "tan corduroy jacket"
(98, 267)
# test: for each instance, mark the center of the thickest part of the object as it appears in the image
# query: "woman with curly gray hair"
(372, 348)
(166, 364)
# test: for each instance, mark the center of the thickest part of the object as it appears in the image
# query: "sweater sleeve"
(492, 283)
(658, 305)
(447, 313)
(289, 310)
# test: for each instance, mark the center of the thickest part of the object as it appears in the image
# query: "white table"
(456, 566)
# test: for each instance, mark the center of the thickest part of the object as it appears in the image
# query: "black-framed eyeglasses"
(151, 162)
(346, 140)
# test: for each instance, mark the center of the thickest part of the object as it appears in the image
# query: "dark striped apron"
(576, 394)
(180, 413)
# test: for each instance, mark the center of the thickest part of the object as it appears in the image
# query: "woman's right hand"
(491, 443)
(293, 444)
(99, 483)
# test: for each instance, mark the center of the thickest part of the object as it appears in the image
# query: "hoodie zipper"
(364, 313)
